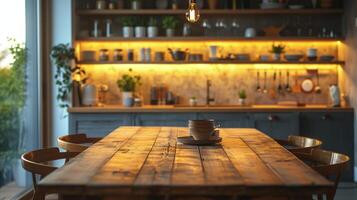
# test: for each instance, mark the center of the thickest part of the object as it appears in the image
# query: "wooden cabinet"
(277, 125)
(98, 124)
(163, 119)
(230, 120)
(334, 129)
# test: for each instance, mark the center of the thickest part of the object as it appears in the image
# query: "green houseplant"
(12, 101)
(128, 26)
(277, 50)
(170, 23)
(152, 28)
(64, 58)
(127, 85)
(242, 97)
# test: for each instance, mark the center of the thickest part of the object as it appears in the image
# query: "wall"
(61, 33)
(351, 61)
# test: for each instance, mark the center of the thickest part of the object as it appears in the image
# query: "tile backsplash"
(189, 80)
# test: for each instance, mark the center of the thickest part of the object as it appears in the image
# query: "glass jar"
(101, 5)
(103, 55)
(130, 55)
(117, 55)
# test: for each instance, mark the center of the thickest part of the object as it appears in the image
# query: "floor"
(346, 191)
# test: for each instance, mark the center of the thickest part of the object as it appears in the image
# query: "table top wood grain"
(150, 161)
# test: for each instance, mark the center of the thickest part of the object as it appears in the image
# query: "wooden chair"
(328, 164)
(38, 163)
(299, 144)
(76, 142)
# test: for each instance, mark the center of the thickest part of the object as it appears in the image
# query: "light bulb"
(192, 14)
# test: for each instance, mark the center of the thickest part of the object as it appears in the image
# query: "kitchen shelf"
(210, 62)
(204, 38)
(211, 12)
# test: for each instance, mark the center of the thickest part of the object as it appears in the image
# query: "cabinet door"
(98, 125)
(277, 125)
(335, 130)
(229, 120)
(163, 119)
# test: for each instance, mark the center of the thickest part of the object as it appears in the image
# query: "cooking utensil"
(272, 91)
(178, 55)
(287, 87)
(280, 86)
(265, 90)
(317, 87)
(259, 89)
(296, 87)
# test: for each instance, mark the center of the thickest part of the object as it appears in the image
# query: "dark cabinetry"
(277, 125)
(230, 120)
(163, 119)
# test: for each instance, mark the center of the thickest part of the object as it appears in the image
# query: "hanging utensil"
(258, 89)
(287, 87)
(272, 91)
(265, 90)
(296, 87)
(280, 86)
(317, 87)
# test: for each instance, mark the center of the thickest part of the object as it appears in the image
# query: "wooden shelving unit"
(212, 12)
(203, 38)
(211, 62)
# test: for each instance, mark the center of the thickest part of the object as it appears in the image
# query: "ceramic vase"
(241, 102)
(127, 99)
(140, 32)
(170, 32)
(128, 31)
(153, 31)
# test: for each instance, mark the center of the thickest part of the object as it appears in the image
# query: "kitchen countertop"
(212, 108)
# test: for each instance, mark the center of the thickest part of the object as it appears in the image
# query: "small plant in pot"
(242, 97)
(170, 23)
(128, 26)
(153, 30)
(140, 29)
(135, 4)
(277, 50)
(127, 85)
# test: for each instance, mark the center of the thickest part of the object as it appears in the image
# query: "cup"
(203, 129)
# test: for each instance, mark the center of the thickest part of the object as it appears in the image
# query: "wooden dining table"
(145, 162)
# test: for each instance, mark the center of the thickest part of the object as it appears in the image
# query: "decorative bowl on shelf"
(293, 57)
(327, 58)
(243, 57)
(272, 5)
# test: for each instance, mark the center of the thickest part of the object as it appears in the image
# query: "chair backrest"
(37, 161)
(327, 163)
(296, 144)
(76, 142)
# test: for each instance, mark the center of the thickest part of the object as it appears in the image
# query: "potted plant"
(140, 30)
(66, 73)
(152, 29)
(169, 23)
(127, 85)
(193, 101)
(277, 50)
(242, 97)
(128, 24)
(135, 4)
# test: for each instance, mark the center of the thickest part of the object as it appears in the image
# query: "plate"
(188, 140)
(307, 86)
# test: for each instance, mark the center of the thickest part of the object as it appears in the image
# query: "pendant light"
(192, 14)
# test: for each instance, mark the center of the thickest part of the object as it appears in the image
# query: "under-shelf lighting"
(192, 14)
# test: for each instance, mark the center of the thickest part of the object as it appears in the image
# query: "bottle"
(96, 31)
(108, 28)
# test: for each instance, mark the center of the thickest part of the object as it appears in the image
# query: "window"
(18, 93)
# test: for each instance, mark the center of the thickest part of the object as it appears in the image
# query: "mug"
(203, 129)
